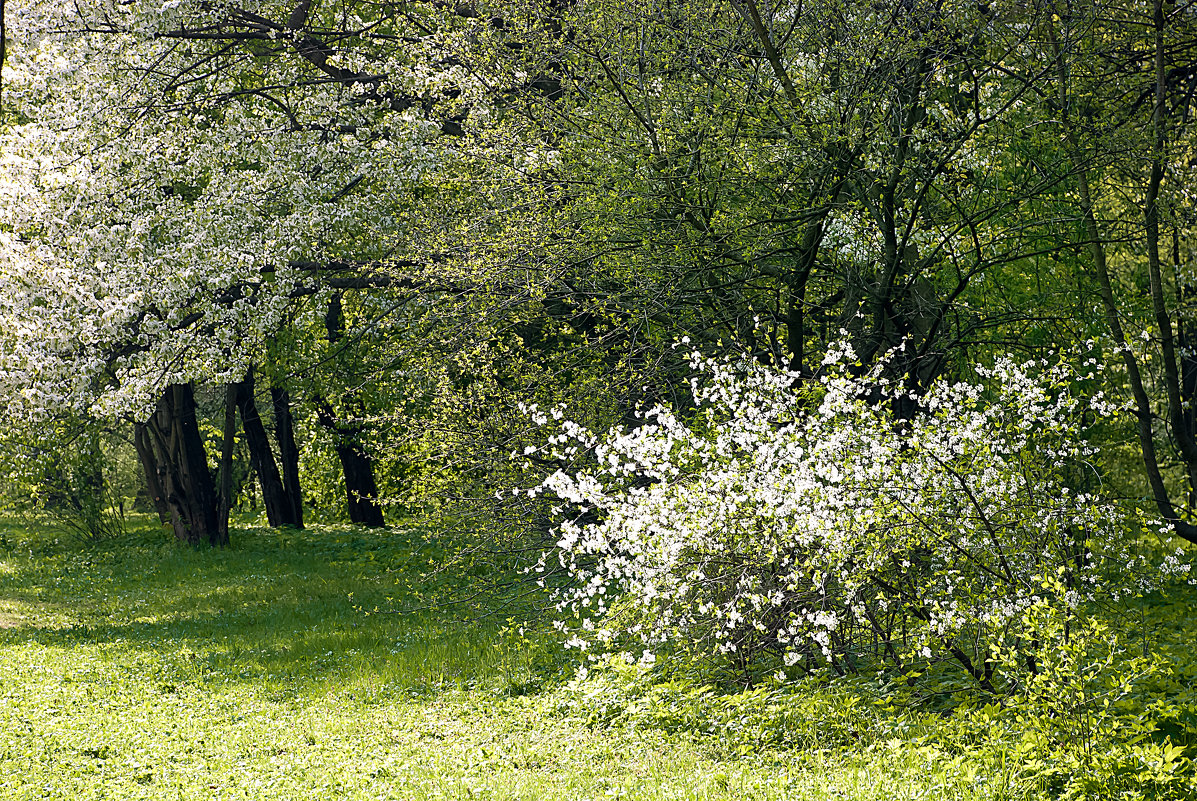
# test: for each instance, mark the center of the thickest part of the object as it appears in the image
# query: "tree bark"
(226, 455)
(3, 51)
(361, 488)
(279, 510)
(149, 466)
(180, 465)
(284, 434)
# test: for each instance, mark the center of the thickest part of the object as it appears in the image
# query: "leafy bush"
(1091, 722)
(811, 713)
(828, 525)
(1098, 718)
(71, 473)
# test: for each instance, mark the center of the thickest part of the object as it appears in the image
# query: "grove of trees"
(935, 259)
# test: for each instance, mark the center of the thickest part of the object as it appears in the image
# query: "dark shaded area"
(299, 606)
(176, 467)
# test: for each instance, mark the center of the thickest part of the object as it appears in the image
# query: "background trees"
(367, 260)
(773, 175)
(180, 178)
(382, 227)
(1136, 66)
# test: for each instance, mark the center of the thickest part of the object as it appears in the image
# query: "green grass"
(320, 664)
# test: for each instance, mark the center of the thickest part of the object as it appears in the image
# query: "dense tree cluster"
(370, 230)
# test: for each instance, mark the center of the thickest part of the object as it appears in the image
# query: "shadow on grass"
(295, 611)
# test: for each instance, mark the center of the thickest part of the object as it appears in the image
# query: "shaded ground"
(141, 670)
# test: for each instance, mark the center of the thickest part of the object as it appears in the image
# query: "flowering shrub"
(815, 523)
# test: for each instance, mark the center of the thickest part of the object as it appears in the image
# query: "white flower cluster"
(815, 522)
(146, 230)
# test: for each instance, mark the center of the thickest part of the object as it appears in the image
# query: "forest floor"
(323, 664)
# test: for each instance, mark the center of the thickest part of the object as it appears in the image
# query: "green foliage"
(78, 476)
(1109, 712)
(263, 671)
(813, 713)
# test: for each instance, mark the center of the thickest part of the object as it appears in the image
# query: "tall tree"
(282, 507)
(172, 450)
(773, 174)
(1136, 65)
(357, 467)
(184, 175)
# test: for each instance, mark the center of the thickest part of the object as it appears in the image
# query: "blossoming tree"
(176, 177)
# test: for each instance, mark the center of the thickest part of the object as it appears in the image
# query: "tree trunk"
(149, 466)
(226, 455)
(279, 510)
(361, 489)
(288, 451)
(180, 467)
(1138, 385)
(3, 50)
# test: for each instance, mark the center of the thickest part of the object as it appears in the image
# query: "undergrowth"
(337, 662)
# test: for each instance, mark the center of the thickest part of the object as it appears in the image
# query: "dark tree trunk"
(180, 465)
(149, 466)
(361, 489)
(288, 451)
(279, 511)
(226, 455)
(3, 48)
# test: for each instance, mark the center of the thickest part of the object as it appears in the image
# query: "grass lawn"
(138, 669)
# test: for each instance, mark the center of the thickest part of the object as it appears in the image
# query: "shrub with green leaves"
(1100, 716)
(827, 524)
(72, 474)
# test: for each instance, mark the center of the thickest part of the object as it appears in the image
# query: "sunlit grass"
(323, 664)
